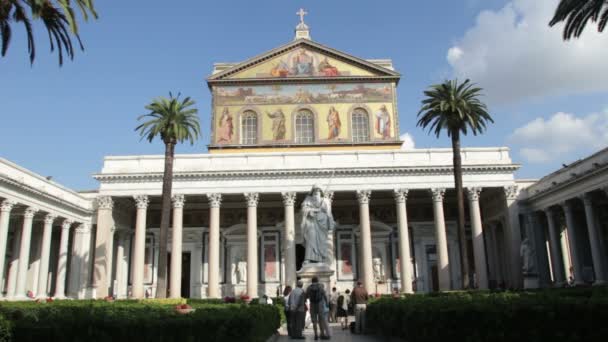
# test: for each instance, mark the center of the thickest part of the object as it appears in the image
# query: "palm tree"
(58, 16)
(577, 13)
(455, 108)
(175, 121)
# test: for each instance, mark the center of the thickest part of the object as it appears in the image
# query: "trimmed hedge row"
(561, 315)
(137, 321)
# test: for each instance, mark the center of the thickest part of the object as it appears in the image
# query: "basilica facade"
(300, 115)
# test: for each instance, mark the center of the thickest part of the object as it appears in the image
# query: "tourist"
(286, 293)
(297, 310)
(333, 305)
(343, 304)
(359, 298)
(324, 317)
(318, 299)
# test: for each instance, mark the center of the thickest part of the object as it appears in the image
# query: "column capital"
(141, 201)
(548, 211)
(329, 195)
(363, 196)
(66, 224)
(438, 194)
(215, 200)
(289, 198)
(7, 205)
(83, 228)
(252, 198)
(586, 198)
(49, 218)
(30, 212)
(511, 192)
(178, 200)
(473, 193)
(400, 195)
(105, 202)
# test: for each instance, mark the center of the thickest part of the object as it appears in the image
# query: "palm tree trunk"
(462, 238)
(165, 217)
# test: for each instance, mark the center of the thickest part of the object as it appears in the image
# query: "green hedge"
(136, 321)
(559, 315)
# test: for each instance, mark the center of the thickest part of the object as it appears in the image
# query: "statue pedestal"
(531, 281)
(320, 270)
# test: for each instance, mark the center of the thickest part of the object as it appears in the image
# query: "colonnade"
(251, 200)
(565, 250)
(17, 273)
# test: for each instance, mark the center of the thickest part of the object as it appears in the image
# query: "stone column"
(24, 252)
(119, 268)
(175, 284)
(103, 244)
(289, 199)
(213, 279)
(81, 258)
(594, 241)
(62, 263)
(45, 253)
(5, 215)
(404, 241)
(570, 229)
(13, 265)
(139, 246)
(558, 269)
(513, 235)
(252, 244)
(443, 263)
(479, 249)
(363, 197)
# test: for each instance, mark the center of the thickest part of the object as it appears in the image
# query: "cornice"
(34, 191)
(347, 171)
(563, 185)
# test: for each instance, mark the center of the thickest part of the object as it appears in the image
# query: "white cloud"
(562, 135)
(408, 141)
(513, 54)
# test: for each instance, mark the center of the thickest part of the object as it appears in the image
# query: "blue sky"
(548, 97)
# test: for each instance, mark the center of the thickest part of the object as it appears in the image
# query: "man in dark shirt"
(359, 298)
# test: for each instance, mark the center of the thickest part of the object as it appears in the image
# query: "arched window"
(305, 127)
(360, 125)
(249, 128)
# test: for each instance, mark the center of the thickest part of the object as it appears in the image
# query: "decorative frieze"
(473, 193)
(289, 198)
(400, 195)
(252, 198)
(178, 200)
(215, 200)
(438, 194)
(363, 196)
(141, 201)
(105, 202)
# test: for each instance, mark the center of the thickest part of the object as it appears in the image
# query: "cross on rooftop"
(301, 13)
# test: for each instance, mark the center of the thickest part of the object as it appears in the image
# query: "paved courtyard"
(338, 335)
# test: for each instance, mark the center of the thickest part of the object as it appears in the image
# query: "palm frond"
(453, 107)
(578, 13)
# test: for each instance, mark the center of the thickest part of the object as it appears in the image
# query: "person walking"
(343, 303)
(318, 298)
(333, 305)
(286, 293)
(359, 298)
(297, 310)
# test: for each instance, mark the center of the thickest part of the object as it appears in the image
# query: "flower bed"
(559, 315)
(154, 320)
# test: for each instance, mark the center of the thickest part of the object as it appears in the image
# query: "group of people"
(323, 308)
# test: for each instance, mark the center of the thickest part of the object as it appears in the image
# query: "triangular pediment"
(303, 59)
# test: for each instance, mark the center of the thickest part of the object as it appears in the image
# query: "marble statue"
(240, 269)
(317, 223)
(378, 270)
(528, 257)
